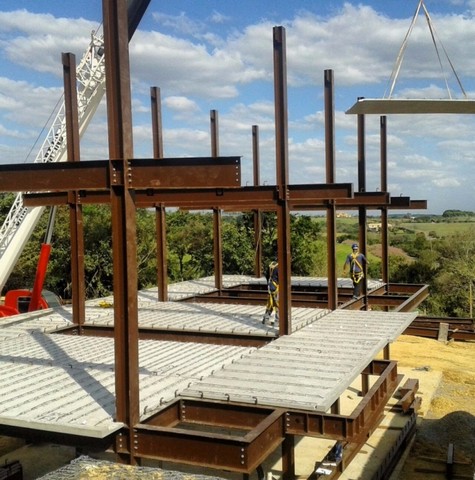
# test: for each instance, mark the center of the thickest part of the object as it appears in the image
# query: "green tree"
(190, 245)
(238, 247)
(308, 249)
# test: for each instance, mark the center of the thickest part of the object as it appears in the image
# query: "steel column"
(217, 214)
(362, 188)
(124, 229)
(257, 213)
(282, 174)
(160, 211)
(288, 457)
(384, 210)
(330, 179)
(75, 209)
(157, 130)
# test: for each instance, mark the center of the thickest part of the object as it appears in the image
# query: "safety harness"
(356, 276)
(272, 279)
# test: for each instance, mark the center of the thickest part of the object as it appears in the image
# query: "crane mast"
(21, 221)
(90, 75)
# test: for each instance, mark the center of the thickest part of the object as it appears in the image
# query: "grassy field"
(441, 229)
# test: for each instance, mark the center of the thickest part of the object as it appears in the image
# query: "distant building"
(376, 227)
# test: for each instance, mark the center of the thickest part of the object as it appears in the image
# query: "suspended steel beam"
(405, 106)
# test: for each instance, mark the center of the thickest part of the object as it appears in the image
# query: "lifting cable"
(402, 50)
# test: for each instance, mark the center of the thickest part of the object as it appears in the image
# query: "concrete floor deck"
(65, 384)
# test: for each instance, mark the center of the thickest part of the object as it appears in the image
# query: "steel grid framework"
(213, 183)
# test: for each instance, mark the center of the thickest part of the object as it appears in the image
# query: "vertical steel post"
(217, 214)
(384, 210)
(330, 178)
(257, 213)
(282, 171)
(157, 129)
(160, 212)
(288, 457)
(75, 208)
(124, 231)
(362, 188)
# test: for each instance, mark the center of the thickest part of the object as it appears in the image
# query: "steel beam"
(257, 213)
(282, 176)
(124, 229)
(75, 209)
(243, 450)
(160, 211)
(330, 172)
(217, 213)
(233, 198)
(383, 135)
(142, 174)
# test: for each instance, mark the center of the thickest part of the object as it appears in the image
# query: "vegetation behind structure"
(438, 250)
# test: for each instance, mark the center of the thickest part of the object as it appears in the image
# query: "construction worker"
(356, 262)
(272, 277)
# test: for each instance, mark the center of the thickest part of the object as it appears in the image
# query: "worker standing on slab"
(356, 263)
(272, 277)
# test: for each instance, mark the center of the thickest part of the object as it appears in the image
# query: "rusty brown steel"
(288, 457)
(37, 177)
(238, 453)
(160, 210)
(184, 172)
(384, 188)
(282, 176)
(330, 179)
(141, 174)
(165, 436)
(217, 213)
(349, 428)
(257, 213)
(362, 233)
(162, 274)
(75, 209)
(157, 130)
(124, 230)
(266, 197)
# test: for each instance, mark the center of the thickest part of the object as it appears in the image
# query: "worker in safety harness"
(356, 262)
(272, 277)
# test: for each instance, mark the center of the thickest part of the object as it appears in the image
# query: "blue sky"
(217, 55)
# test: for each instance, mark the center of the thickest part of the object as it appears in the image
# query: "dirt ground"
(448, 417)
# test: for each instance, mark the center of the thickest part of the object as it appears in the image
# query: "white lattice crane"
(90, 75)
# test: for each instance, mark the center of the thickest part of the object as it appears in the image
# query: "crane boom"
(90, 75)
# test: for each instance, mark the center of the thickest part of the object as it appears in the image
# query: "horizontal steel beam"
(251, 440)
(350, 428)
(365, 199)
(174, 173)
(206, 197)
(238, 437)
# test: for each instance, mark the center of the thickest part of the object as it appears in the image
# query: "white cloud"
(198, 68)
(180, 104)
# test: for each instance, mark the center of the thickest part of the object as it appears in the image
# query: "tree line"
(446, 264)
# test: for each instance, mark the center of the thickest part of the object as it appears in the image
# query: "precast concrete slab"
(66, 384)
(205, 317)
(33, 322)
(206, 285)
(309, 369)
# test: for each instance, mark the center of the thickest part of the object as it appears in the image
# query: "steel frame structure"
(214, 183)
